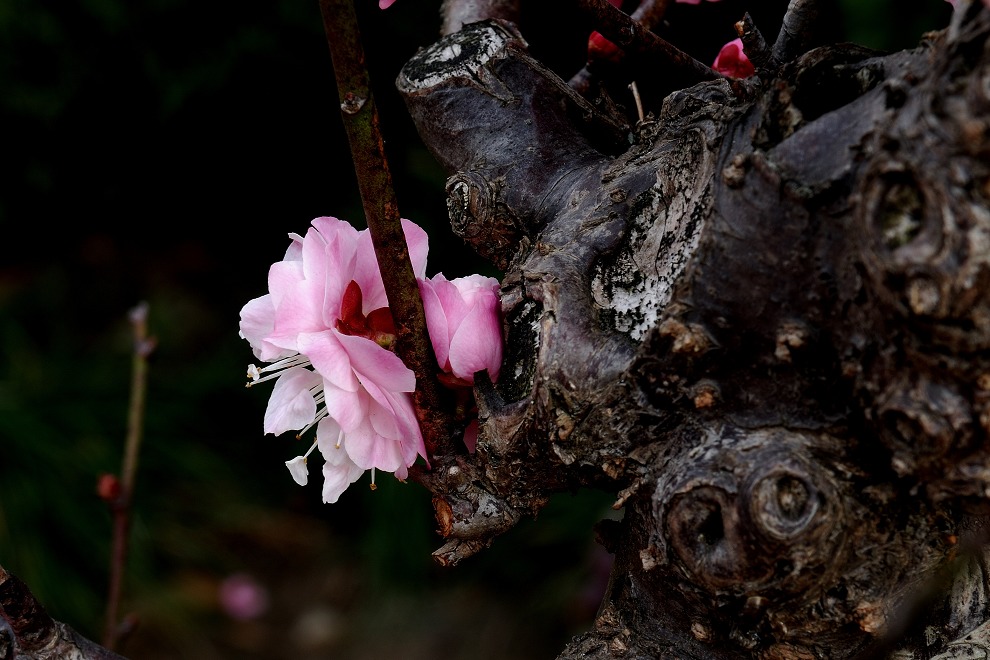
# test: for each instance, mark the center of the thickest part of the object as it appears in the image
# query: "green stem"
(360, 117)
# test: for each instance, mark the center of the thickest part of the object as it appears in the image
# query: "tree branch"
(121, 505)
(360, 118)
(35, 633)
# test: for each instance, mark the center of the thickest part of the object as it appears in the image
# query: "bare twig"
(649, 13)
(121, 505)
(754, 45)
(797, 33)
(360, 117)
(642, 44)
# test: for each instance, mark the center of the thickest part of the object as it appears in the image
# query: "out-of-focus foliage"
(161, 151)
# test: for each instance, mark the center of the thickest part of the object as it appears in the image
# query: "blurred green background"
(160, 151)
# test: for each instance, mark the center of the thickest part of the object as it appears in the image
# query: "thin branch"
(121, 505)
(649, 14)
(797, 33)
(641, 43)
(754, 45)
(361, 122)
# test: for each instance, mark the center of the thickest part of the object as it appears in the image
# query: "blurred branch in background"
(120, 493)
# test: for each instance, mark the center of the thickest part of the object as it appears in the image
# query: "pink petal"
(339, 471)
(732, 61)
(369, 450)
(471, 435)
(418, 244)
(374, 363)
(385, 4)
(477, 344)
(348, 408)
(300, 312)
(291, 405)
(257, 321)
(367, 274)
(436, 321)
(294, 251)
(329, 358)
(283, 278)
(341, 256)
(411, 437)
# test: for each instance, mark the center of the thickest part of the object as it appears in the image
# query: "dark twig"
(640, 43)
(121, 505)
(649, 13)
(797, 33)
(754, 45)
(381, 210)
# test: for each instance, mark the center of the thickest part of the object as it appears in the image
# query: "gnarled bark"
(761, 318)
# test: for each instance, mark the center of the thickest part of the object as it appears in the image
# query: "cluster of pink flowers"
(326, 331)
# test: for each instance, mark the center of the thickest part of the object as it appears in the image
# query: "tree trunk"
(762, 318)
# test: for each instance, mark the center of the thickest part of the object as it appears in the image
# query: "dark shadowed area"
(160, 151)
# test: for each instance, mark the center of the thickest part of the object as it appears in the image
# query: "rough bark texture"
(761, 318)
(27, 632)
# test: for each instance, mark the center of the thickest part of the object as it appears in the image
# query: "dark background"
(160, 151)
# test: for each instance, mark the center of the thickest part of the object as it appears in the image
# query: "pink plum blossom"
(464, 320)
(732, 61)
(325, 327)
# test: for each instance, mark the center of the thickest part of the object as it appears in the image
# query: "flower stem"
(121, 506)
(361, 122)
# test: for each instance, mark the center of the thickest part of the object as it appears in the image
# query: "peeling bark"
(762, 319)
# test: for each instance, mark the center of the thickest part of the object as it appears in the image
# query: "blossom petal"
(418, 244)
(347, 408)
(471, 435)
(257, 322)
(292, 405)
(733, 62)
(329, 357)
(369, 450)
(436, 321)
(339, 471)
(372, 362)
(477, 345)
(298, 470)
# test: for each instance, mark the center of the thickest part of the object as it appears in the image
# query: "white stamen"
(373, 486)
(254, 373)
(320, 414)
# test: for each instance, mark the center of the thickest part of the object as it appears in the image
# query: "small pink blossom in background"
(325, 327)
(464, 319)
(385, 4)
(732, 61)
(242, 598)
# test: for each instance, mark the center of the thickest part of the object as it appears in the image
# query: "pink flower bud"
(464, 319)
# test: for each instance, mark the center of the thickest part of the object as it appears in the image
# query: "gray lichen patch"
(633, 285)
(459, 55)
